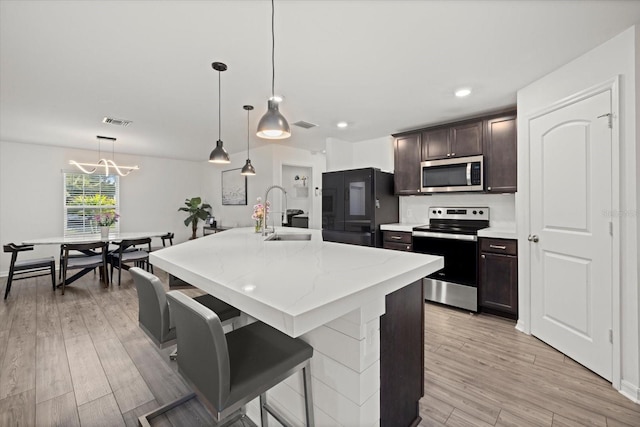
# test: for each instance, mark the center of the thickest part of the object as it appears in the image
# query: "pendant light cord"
(248, 134)
(219, 109)
(273, 50)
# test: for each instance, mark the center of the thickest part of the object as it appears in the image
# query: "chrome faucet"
(264, 217)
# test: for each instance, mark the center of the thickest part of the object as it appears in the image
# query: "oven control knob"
(434, 211)
(439, 212)
(481, 212)
(475, 212)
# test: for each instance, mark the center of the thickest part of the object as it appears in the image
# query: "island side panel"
(345, 371)
(402, 357)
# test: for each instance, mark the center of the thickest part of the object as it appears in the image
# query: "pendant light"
(104, 162)
(219, 154)
(248, 168)
(273, 125)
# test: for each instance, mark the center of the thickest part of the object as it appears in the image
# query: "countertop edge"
(498, 233)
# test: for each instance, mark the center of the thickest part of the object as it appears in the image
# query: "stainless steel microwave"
(451, 175)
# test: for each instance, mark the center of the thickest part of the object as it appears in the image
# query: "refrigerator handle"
(377, 204)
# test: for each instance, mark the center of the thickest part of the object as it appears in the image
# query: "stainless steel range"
(452, 233)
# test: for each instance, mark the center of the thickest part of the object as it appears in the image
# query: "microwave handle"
(468, 173)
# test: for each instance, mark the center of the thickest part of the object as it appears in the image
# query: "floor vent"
(305, 125)
(117, 122)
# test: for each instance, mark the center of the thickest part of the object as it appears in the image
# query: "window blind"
(86, 196)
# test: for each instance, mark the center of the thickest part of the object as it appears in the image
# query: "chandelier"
(103, 162)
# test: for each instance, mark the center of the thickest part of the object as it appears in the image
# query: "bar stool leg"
(264, 418)
(308, 396)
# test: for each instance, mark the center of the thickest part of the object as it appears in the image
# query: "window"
(86, 196)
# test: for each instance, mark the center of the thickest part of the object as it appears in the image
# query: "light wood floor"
(480, 371)
(81, 359)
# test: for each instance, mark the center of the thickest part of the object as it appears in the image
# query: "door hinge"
(609, 121)
(611, 228)
(611, 336)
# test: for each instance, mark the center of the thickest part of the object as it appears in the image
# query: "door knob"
(533, 238)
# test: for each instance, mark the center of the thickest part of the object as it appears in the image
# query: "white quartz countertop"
(294, 286)
(499, 232)
(405, 226)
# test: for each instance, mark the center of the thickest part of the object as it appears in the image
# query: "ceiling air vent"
(117, 122)
(305, 125)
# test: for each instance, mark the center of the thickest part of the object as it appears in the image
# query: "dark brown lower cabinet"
(402, 357)
(498, 287)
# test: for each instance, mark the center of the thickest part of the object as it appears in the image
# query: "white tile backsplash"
(415, 209)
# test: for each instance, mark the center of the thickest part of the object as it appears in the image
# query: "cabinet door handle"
(498, 247)
(396, 237)
(482, 256)
(448, 154)
(408, 247)
(453, 154)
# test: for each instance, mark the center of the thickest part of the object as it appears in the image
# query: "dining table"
(95, 237)
(113, 237)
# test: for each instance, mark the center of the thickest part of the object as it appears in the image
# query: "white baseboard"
(520, 326)
(630, 391)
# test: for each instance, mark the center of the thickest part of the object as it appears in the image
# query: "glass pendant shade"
(248, 169)
(273, 125)
(219, 154)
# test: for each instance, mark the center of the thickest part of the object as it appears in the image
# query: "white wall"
(377, 153)
(637, 200)
(339, 155)
(299, 192)
(415, 209)
(33, 208)
(618, 56)
(268, 161)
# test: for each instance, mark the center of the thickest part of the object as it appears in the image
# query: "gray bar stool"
(228, 371)
(153, 311)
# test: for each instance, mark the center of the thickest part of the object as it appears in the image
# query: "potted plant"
(196, 211)
(105, 220)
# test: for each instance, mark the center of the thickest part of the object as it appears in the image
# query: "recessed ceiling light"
(342, 124)
(461, 93)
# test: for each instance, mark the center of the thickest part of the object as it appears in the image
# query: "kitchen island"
(331, 295)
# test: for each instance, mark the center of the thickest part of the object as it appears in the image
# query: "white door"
(571, 262)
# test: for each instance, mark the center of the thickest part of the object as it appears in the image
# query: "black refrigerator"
(354, 204)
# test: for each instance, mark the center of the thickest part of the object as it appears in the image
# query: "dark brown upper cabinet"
(459, 140)
(500, 160)
(435, 144)
(492, 135)
(466, 139)
(407, 164)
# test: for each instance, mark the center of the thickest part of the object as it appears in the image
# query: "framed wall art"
(234, 187)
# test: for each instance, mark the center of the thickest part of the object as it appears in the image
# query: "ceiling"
(381, 66)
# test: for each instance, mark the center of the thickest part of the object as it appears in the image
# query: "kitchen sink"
(288, 237)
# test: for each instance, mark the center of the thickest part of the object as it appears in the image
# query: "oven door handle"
(468, 237)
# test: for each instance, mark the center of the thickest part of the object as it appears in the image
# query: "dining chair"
(28, 268)
(75, 255)
(130, 251)
(165, 238)
(228, 371)
(93, 255)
